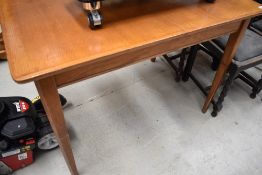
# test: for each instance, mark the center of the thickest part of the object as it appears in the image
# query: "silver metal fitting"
(90, 7)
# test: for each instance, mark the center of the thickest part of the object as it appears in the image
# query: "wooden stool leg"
(256, 89)
(182, 63)
(190, 62)
(233, 72)
(230, 51)
(259, 86)
(153, 60)
(49, 96)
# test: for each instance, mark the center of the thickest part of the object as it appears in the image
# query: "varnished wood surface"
(47, 37)
(50, 43)
(135, 55)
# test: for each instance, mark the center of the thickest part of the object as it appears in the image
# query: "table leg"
(230, 51)
(47, 90)
(2, 46)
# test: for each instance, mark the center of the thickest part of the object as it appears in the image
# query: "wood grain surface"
(2, 46)
(47, 37)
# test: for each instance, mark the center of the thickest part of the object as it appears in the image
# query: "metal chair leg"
(233, 72)
(190, 62)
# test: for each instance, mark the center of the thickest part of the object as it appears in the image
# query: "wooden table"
(49, 42)
(2, 46)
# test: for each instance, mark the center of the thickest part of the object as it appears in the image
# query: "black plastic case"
(16, 117)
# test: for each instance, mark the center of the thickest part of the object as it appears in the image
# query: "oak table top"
(47, 37)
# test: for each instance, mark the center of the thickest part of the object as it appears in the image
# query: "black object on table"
(94, 16)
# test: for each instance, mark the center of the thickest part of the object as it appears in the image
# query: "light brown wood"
(230, 51)
(47, 90)
(130, 57)
(2, 46)
(56, 33)
(49, 42)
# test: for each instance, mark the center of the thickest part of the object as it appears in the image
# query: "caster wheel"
(94, 19)
(214, 114)
(253, 95)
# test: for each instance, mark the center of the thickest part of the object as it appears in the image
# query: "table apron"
(132, 56)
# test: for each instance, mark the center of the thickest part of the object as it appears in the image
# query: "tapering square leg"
(230, 51)
(47, 90)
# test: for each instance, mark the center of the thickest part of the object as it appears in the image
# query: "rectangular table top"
(47, 37)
